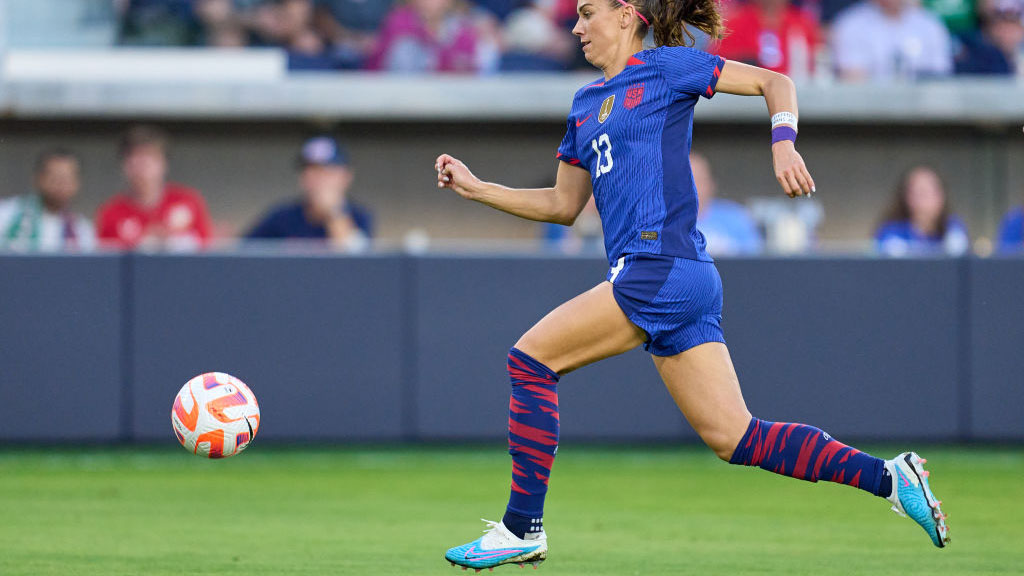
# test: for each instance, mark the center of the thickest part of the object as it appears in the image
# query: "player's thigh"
(704, 384)
(582, 331)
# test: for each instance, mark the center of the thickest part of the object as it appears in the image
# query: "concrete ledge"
(252, 84)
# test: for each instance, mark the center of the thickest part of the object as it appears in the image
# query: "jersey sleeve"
(567, 149)
(689, 71)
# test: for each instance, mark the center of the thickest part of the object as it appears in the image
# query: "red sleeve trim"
(714, 78)
(567, 160)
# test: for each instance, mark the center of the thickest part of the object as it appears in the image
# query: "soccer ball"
(215, 415)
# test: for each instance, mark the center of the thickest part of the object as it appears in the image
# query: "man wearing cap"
(323, 211)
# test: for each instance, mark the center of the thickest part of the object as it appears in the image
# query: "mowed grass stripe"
(383, 511)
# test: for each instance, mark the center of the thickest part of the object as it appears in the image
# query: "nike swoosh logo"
(472, 554)
(582, 122)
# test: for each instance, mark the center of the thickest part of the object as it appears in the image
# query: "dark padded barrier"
(845, 345)
(859, 348)
(472, 310)
(94, 348)
(60, 348)
(997, 342)
(318, 339)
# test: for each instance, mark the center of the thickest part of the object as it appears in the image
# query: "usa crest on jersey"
(634, 96)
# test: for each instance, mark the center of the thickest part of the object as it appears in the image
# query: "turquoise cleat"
(911, 496)
(499, 546)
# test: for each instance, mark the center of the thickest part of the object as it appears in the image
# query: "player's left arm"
(780, 95)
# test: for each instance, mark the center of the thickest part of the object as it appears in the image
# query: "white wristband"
(784, 118)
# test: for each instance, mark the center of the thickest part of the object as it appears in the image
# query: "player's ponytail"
(669, 18)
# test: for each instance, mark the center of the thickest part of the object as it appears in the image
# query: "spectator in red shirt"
(772, 34)
(152, 213)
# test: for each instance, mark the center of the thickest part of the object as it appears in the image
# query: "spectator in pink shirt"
(427, 36)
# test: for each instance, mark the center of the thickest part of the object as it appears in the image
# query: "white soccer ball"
(215, 415)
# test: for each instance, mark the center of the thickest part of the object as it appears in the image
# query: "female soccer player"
(627, 143)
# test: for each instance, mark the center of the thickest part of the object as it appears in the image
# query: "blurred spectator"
(152, 213)
(1011, 232)
(772, 34)
(995, 48)
(957, 15)
(727, 225)
(534, 41)
(565, 12)
(828, 10)
(919, 221)
(324, 211)
(428, 36)
(350, 28)
(158, 23)
(42, 220)
(289, 24)
(887, 39)
(220, 24)
(583, 237)
(184, 23)
(502, 8)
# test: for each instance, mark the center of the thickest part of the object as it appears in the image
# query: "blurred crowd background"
(848, 39)
(158, 205)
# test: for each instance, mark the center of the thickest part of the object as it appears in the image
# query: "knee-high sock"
(805, 452)
(532, 438)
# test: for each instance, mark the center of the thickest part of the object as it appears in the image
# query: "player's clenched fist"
(452, 173)
(790, 170)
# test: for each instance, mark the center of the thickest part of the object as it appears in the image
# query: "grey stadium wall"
(411, 348)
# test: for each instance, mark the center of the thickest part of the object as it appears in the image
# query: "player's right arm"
(560, 205)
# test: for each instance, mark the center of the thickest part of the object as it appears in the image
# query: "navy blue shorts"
(676, 301)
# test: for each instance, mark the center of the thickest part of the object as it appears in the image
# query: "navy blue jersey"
(288, 220)
(633, 134)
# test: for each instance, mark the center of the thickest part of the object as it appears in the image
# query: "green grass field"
(618, 511)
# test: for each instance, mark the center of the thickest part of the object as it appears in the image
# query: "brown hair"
(899, 211)
(49, 155)
(142, 135)
(668, 19)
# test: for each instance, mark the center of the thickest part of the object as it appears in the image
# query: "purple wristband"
(780, 133)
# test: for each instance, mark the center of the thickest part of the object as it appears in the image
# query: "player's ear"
(626, 19)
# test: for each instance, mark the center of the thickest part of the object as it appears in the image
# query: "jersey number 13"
(604, 162)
